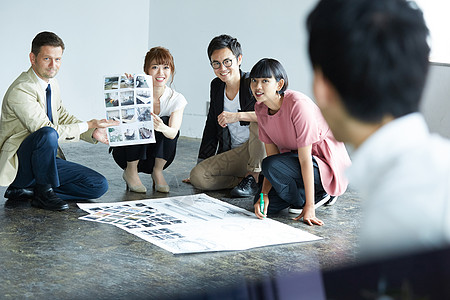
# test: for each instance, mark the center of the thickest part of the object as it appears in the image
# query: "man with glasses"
(230, 153)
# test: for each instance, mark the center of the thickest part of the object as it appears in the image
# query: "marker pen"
(261, 203)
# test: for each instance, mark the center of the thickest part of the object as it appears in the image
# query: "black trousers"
(146, 153)
(284, 173)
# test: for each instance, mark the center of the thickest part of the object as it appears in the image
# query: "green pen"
(261, 203)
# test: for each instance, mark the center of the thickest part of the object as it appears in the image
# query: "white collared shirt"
(403, 174)
(83, 125)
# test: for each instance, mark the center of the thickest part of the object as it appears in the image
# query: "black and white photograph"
(143, 96)
(141, 82)
(145, 133)
(144, 114)
(130, 134)
(126, 98)
(113, 115)
(128, 115)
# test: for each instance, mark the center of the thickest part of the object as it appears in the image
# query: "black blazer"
(216, 139)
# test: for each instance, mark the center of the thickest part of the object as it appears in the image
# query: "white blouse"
(171, 101)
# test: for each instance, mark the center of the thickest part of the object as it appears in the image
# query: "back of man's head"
(46, 38)
(374, 52)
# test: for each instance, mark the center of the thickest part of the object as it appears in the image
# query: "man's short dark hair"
(224, 41)
(374, 52)
(268, 67)
(45, 38)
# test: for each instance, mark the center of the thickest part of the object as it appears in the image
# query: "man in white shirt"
(370, 61)
(33, 122)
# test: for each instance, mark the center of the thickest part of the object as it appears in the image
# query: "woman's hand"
(261, 214)
(158, 124)
(309, 216)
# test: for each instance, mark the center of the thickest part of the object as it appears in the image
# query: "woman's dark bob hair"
(268, 67)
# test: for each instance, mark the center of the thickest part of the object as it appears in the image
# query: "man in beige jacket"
(33, 122)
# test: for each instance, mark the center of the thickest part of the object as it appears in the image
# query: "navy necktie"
(49, 103)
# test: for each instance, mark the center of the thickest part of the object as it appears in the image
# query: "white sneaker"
(317, 205)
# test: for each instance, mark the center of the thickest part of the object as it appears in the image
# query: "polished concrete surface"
(54, 255)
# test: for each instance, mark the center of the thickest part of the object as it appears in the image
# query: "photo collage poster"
(129, 99)
(194, 224)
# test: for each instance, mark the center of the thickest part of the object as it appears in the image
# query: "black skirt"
(146, 153)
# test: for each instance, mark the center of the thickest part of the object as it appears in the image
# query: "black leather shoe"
(47, 199)
(13, 193)
(17, 203)
(246, 188)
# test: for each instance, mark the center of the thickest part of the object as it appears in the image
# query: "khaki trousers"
(226, 170)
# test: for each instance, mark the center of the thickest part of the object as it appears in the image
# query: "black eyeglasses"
(227, 63)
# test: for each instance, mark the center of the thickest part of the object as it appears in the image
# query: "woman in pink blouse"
(305, 164)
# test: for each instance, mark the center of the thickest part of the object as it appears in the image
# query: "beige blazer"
(23, 112)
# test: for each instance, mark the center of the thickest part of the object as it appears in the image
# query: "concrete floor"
(46, 255)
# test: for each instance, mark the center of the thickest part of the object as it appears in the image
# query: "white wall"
(101, 37)
(436, 17)
(111, 36)
(265, 28)
(104, 37)
(436, 99)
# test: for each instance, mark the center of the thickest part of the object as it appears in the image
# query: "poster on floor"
(128, 99)
(193, 224)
